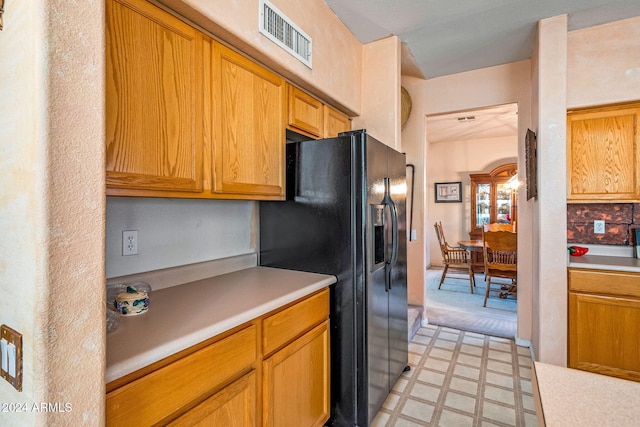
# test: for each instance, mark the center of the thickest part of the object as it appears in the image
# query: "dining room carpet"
(459, 379)
(453, 305)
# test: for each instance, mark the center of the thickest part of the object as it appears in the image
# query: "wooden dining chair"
(455, 258)
(500, 250)
(496, 226)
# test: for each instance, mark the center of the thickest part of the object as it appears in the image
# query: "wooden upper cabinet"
(603, 154)
(306, 114)
(335, 122)
(153, 100)
(249, 127)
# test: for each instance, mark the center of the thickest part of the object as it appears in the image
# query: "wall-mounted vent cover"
(282, 31)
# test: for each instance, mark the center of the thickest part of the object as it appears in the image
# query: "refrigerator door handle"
(394, 231)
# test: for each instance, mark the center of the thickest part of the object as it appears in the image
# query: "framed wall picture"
(531, 152)
(448, 192)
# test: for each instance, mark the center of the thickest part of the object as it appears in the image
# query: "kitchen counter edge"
(566, 397)
(185, 315)
(603, 262)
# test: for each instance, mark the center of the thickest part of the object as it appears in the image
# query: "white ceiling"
(452, 36)
(442, 37)
(490, 122)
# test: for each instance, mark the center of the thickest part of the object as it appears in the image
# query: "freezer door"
(377, 300)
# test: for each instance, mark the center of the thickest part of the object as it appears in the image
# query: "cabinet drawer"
(287, 324)
(158, 395)
(605, 282)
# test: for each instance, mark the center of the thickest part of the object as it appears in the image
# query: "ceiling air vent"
(282, 31)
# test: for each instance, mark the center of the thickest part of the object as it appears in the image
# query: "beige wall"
(52, 206)
(603, 64)
(550, 311)
(454, 161)
(380, 80)
(509, 83)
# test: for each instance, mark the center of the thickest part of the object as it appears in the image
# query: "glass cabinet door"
(503, 204)
(483, 204)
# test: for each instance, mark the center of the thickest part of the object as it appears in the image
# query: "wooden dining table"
(475, 247)
(472, 245)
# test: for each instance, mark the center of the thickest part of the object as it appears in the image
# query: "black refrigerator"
(344, 215)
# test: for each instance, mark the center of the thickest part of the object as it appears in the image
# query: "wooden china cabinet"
(492, 198)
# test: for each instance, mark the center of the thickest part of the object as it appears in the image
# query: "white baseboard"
(523, 343)
(174, 276)
(424, 322)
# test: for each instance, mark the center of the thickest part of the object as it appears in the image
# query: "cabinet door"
(296, 382)
(504, 203)
(603, 155)
(153, 100)
(335, 122)
(604, 335)
(305, 113)
(249, 130)
(493, 199)
(233, 406)
(483, 204)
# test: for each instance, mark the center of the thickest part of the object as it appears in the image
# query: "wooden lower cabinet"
(272, 370)
(604, 322)
(233, 406)
(170, 390)
(296, 382)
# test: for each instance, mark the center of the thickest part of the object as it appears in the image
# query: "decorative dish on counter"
(577, 250)
(129, 299)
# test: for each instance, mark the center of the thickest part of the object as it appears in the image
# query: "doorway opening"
(461, 144)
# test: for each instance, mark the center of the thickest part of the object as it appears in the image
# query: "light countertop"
(184, 315)
(603, 262)
(571, 397)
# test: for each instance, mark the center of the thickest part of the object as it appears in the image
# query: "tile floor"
(459, 379)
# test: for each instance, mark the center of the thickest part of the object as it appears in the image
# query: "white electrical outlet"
(598, 226)
(129, 242)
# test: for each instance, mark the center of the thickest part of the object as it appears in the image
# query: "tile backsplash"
(619, 218)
